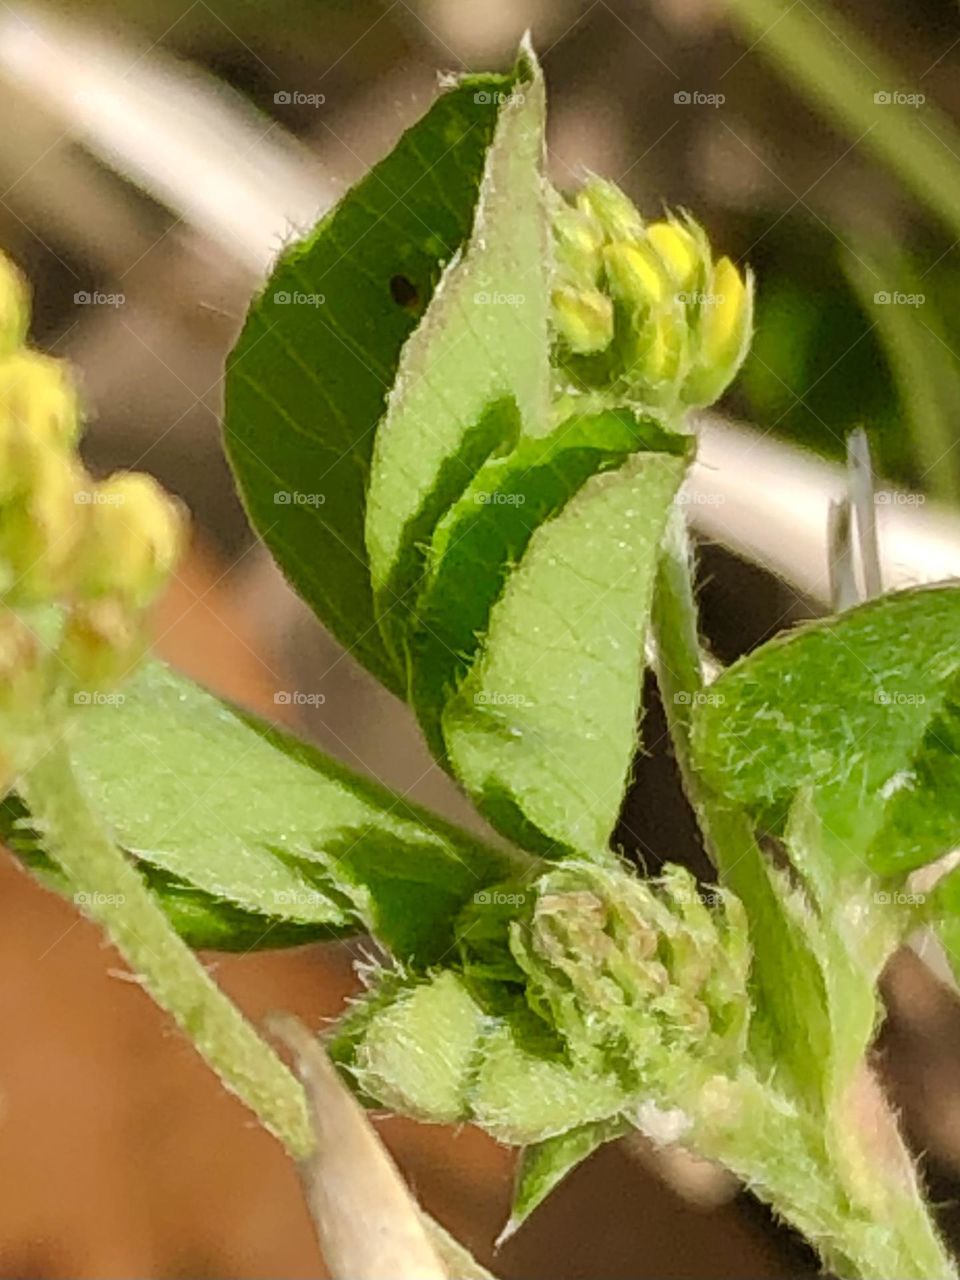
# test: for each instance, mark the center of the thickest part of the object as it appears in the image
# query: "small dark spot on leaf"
(405, 294)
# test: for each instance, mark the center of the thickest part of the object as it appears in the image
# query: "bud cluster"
(100, 550)
(641, 309)
(645, 978)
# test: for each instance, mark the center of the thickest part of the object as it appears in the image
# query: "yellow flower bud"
(37, 402)
(615, 212)
(102, 642)
(723, 335)
(14, 307)
(637, 277)
(41, 524)
(134, 537)
(678, 251)
(583, 318)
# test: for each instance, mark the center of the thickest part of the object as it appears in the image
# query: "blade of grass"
(841, 71)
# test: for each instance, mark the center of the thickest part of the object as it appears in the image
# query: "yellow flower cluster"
(102, 550)
(641, 308)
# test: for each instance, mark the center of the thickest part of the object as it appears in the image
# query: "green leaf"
(204, 922)
(863, 710)
(544, 1165)
(484, 534)
(250, 816)
(543, 729)
(483, 342)
(308, 379)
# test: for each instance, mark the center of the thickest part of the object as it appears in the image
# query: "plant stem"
(839, 1172)
(112, 893)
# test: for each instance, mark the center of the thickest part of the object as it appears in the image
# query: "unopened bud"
(102, 642)
(38, 402)
(661, 349)
(133, 540)
(723, 335)
(22, 671)
(578, 241)
(14, 307)
(678, 250)
(636, 275)
(583, 318)
(644, 971)
(614, 211)
(40, 525)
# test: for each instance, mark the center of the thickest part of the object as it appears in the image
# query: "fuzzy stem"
(842, 1174)
(117, 899)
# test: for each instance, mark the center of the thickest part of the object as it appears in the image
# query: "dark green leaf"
(308, 379)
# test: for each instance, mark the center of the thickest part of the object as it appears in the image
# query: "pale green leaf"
(483, 341)
(250, 816)
(543, 729)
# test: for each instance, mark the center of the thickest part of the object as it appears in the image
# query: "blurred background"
(154, 156)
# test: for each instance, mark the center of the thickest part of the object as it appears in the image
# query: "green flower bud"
(614, 212)
(723, 335)
(102, 642)
(637, 277)
(134, 537)
(646, 977)
(578, 241)
(14, 307)
(40, 524)
(660, 351)
(583, 318)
